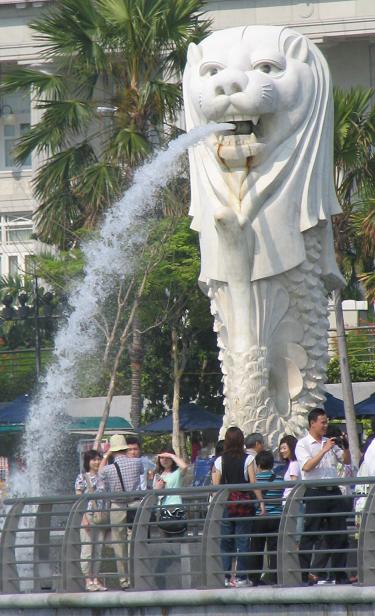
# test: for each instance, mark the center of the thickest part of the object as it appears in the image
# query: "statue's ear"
(297, 47)
(194, 54)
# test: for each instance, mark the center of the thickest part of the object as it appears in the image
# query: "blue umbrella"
(192, 417)
(16, 412)
(334, 407)
(367, 406)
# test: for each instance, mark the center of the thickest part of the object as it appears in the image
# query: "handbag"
(97, 517)
(172, 520)
(240, 504)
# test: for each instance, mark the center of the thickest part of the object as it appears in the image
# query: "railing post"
(212, 567)
(366, 542)
(71, 573)
(288, 566)
(9, 573)
(43, 577)
(141, 568)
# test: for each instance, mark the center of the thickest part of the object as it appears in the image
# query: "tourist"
(219, 450)
(265, 528)
(369, 457)
(318, 457)
(92, 535)
(254, 444)
(287, 452)
(134, 451)
(170, 470)
(235, 466)
(124, 475)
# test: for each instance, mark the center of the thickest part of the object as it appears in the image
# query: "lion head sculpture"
(274, 170)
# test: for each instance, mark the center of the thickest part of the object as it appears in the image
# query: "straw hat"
(117, 442)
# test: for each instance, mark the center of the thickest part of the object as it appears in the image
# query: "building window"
(18, 228)
(29, 265)
(14, 122)
(13, 265)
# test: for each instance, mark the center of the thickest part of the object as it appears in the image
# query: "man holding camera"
(318, 457)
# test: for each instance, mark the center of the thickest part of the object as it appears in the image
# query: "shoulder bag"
(97, 517)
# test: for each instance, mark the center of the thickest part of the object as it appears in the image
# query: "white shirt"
(294, 471)
(307, 447)
(248, 460)
(369, 458)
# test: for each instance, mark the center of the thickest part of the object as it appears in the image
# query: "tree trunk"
(347, 389)
(136, 357)
(176, 444)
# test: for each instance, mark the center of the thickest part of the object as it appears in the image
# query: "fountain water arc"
(104, 258)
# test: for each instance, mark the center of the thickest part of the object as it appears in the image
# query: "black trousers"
(263, 525)
(325, 505)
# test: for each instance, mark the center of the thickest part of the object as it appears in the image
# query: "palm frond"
(44, 84)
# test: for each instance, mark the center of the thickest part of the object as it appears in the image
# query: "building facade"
(344, 30)
(16, 116)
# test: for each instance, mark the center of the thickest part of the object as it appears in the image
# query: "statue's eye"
(209, 69)
(268, 68)
(265, 68)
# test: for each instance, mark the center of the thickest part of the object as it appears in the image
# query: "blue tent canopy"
(16, 411)
(334, 407)
(192, 417)
(366, 407)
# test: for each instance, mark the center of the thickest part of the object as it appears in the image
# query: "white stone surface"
(262, 201)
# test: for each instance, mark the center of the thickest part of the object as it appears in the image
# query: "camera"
(338, 441)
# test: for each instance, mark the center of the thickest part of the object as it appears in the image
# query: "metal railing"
(42, 539)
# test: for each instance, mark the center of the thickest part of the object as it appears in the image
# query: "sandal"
(100, 586)
(90, 586)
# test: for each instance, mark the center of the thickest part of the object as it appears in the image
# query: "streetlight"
(24, 312)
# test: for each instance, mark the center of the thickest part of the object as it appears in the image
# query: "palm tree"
(354, 139)
(109, 89)
(354, 229)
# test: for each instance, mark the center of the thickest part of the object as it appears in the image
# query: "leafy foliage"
(359, 371)
(354, 230)
(172, 291)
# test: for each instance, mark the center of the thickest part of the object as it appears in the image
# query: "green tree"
(180, 360)
(354, 135)
(354, 229)
(108, 89)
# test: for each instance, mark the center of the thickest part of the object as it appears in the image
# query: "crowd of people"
(251, 518)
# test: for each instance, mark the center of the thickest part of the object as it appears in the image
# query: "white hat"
(117, 442)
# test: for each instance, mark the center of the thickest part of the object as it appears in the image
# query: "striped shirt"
(272, 496)
(131, 470)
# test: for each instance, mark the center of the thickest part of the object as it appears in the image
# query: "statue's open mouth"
(241, 145)
(247, 127)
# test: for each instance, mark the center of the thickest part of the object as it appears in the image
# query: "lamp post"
(25, 312)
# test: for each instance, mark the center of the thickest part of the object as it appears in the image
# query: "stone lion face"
(247, 77)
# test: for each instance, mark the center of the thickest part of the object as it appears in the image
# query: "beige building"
(344, 29)
(16, 115)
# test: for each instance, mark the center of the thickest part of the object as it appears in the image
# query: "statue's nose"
(230, 82)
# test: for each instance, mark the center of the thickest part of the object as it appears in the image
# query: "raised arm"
(179, 461)
(308, 464)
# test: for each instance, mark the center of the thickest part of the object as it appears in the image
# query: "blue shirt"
(272, 496)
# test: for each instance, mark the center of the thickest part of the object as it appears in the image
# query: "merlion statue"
(262, 200)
